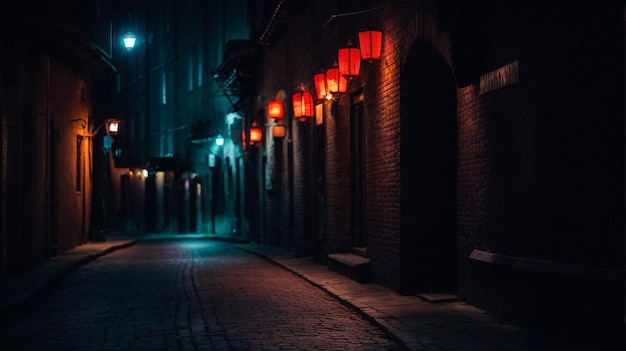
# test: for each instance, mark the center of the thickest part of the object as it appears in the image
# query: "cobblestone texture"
(189, 295)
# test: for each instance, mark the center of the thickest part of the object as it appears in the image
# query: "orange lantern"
(278, 131)
(371, 44)
(320, 85)
(335, 82)
(275, 109)
(255, 133)
(349, 61)
(302, 105)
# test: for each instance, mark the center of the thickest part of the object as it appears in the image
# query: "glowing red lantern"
(320, 85)
(256, 134)
(371, 44)
(349, 61)
(302, 105)
(275, 109)
(335, 82)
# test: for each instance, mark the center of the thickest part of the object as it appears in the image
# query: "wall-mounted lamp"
(112, 126)
(219, 140)
(302, 105)
(371, 44)
(349, 61)
(129, 40)
(275, 109)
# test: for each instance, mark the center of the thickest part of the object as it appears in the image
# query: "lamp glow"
(371, 44)
(335, 82)
(320, 85)
(275, 109)
(255, 133)
(302, 105)
(129, 40)
(349, 61)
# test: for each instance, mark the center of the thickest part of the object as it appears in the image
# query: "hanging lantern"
(302, 105)
(371, 44)
(278, 131)
(349, 61)
(275, 109)
(335, 82)
(255, 133)
(320, 85)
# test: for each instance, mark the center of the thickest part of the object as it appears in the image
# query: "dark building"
(52, 55)
(176, 96)
(481, 156)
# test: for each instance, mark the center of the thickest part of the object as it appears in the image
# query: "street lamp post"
(130, 41)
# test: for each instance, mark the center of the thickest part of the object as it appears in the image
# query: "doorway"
(358, 219)
(428, 173)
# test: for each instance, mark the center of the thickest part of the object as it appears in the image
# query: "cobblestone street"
(189, 295)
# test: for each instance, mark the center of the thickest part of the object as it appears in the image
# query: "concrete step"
(356, 267)
(438, 297)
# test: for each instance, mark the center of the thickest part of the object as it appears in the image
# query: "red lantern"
(320, 85)
(275, 109)
(371, 44)
(349, 61)
(255, 133)
(302, 105)
(335, 82)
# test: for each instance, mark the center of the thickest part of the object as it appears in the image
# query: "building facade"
(51, 61)
(174, 98)
(481, 156)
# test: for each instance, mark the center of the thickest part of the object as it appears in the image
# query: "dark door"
(357, 174)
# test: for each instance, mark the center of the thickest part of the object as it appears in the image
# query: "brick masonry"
(538, 164)
(46, 199)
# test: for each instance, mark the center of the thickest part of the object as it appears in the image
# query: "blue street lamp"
(129, 40)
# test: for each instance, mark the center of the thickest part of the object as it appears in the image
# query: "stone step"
(356, 267)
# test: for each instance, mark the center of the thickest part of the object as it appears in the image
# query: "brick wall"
(45, 213)
(540, 168)
(538, 161)
(71, 109)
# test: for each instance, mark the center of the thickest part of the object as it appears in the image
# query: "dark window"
(79, 161)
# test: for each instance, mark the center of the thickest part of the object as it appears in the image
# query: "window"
(190, 73)
(163, 88)
(199, 60)
(79, 162)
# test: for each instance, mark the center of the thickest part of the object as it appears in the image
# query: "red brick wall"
(287, 64)
(540, 166)
(540, 161)
(70, 101)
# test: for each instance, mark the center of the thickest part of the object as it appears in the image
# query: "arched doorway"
(428, 173)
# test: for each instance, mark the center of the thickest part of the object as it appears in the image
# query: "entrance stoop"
(354, 266)
(438, 297)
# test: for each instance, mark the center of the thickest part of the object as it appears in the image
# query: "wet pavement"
(205, 292)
